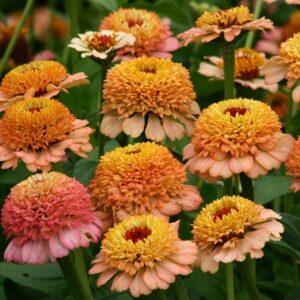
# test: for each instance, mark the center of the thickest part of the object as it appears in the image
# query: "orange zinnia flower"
(39, 131)
(153, 36)
(293, 166)
(38, 78)
(139, 179)
(235, 136)
(155, 91)
(226, 24)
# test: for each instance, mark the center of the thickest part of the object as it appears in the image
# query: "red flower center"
(236, 110)
(137, 234)
(34, 109)
(134, 22)
(101, 42)
(219, 214)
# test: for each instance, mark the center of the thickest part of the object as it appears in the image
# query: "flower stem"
(246, 270)
(15, 36)
(179, 289)
(247, 186)
(256, 15)
(228, 58)
(101, 138)
(229, 281)
(75, 274)
(159, 295)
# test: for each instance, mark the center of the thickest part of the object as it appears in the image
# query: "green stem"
(73, 8)
(15, 36)
(247, 186)
(292, 111)
(75, 274)
(101, 138)
(229, 281)
(246, 270)
(228, 58)
(179, 289)
(228, 186)
(159, 295)
(295, 272)
(256, 15)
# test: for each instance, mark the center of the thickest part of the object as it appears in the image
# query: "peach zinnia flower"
(144, 253)
(100, 44)
(46, 216)
(39, 131)
(139, 179)
(153, 36)
(248, 64)
(229, 228)
(227, 24)
(293, 166)
(152, 90)
(39, 78)
(287, 1)
(235, 136)
(286, 65)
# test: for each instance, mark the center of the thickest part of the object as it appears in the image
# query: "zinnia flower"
(139, 179)
(39, 131)
(100, 44)
(293, 166)
(279, 103)
(152, 90)
(229, 228)
(144, 253)
(226, 24)
(46, 216)
(235, 136)
(286, 1)
(39, 78)
(21, 52)
(248, 64)
(286, 65)
(153, 36)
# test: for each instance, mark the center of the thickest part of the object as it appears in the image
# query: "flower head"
(38, 131)
(234, 136)
(100, 44)
(139, 179)
(287, 1)
(46, 216)
(144, 253)
(21, 52)
(155, 90)
(229, 228)
(293, 165)
(37, 79)
(278, 102)
(153, 36)
(286, 65)
(248, 64)
(226, 24)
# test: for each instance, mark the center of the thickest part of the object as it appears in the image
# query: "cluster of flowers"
(138, 187)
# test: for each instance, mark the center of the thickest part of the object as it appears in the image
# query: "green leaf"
(108, 4)
(45, 278)
(291, 233)
(267, 188)
(84, 170)
(295, 294)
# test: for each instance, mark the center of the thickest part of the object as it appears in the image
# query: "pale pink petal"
(111, 126)
(173, 129)
(296, 94)
(154, 130)
(134, 126)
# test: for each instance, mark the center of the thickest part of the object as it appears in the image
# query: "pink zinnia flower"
(39, 131)
(286, 66)
(248, 65)
(153, 36)
(226, 24)
(40, 78)
(229, 228)
(235, 136)
(141, 254)
(46, 216)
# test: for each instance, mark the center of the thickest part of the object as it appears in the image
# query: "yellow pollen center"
(137, 242)
(101, 42)
(37, 75)
(35, 124)
(225, 18)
